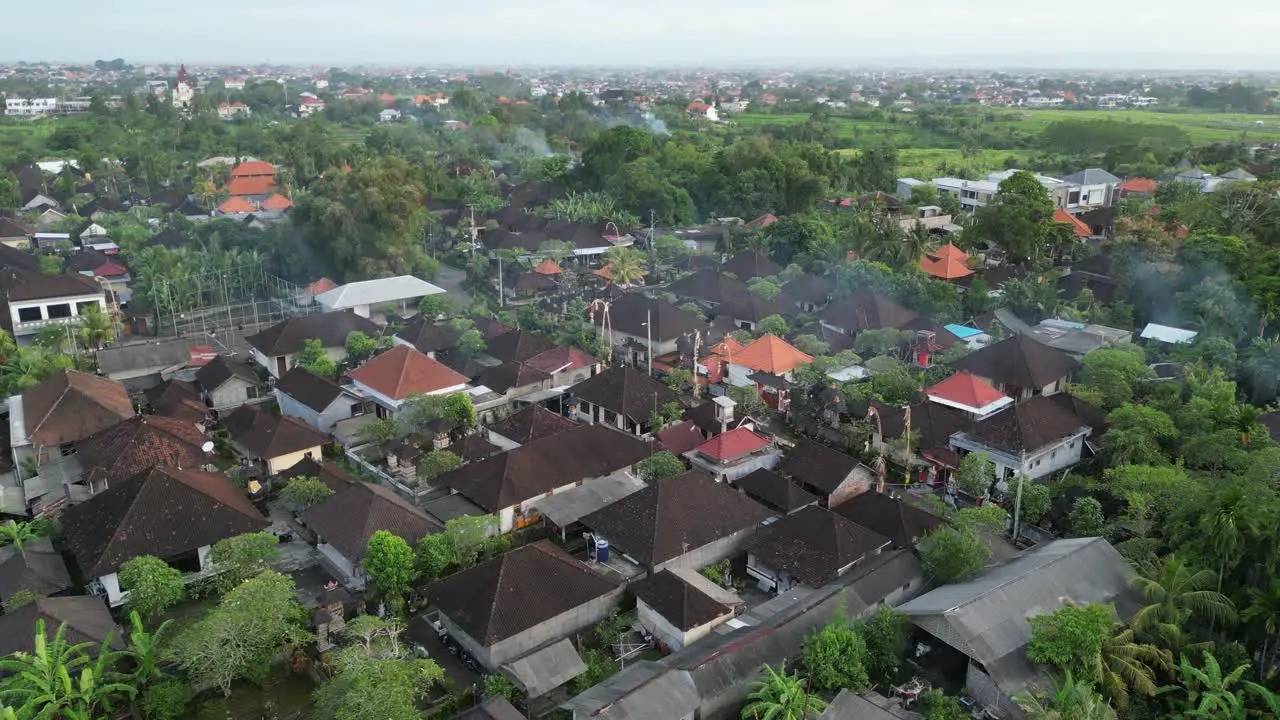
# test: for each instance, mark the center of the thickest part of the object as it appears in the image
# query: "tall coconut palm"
(1263, 617)
(97, 328)
(1177, 593)
(1125, 666)
(626, 265)
(780, 695)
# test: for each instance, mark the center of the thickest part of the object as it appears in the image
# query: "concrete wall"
(233, 393)
(557, 628)
(711, 553)
(279, 464)
(732, 473)
(859, 481)
(670, 635)
(339, 409)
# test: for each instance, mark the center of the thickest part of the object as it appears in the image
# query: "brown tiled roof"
(35, 286)
(326, 471)
(681, 437)
(810, 288)
(178, 399)
(625, 390)
(69, 406)
(674, 516)
(896, 519)
(163, 512)
(866, 310)
(87, 619)
(532, 423)
(403, 371)
(290, 336)
(221, 369)
(474, 447)
(270, 436)
(309, 389)
(583, 452)
(516, 591)
(36, 566)
(427, 336)
(755, 308)
(1030, 425)
(708, 285)
(680, 603)
(508, 375)
(775, 491)
(348, 518)
(817, 465)
(814, 545)
(1020, 361)
(750, 264)
(933, 423)
(139, 444)
(517, 345)
(629, 313)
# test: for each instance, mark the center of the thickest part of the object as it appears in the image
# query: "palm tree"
(780, 695)
(1263, 615)
(1247, 422)
(625, 265)
(61, 680)
(1177, 593)
(1226, 529)
(97, 328)
(1125, 666)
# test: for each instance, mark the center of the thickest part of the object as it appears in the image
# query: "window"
(356, 409)
(80, 306)
(29, 314)
(61, 310)
(253, 392)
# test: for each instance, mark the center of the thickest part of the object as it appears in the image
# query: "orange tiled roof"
(1081, 230)
(277, 202)
(965, 388)
(944, 269)
(236, 205)
(770, 354)
(1144, 186)
(547, 267)
(257, 185)
(254, 168)
(322, 285)
(403, 371)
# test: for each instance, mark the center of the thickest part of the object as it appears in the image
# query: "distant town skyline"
(1118, 35)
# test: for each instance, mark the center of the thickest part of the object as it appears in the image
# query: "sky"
(1105, 34)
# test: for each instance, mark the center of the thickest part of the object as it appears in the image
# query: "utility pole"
(1017, 499)
(502, 295)
(648, 336)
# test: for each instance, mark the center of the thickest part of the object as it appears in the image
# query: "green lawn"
(353, 135)
(864, 132)
(926, 163)
(1201, 127)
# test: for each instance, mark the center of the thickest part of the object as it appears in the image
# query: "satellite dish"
(207, 446)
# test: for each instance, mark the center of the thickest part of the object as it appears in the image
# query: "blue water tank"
(602, 551)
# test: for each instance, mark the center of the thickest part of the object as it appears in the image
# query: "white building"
(401, 292)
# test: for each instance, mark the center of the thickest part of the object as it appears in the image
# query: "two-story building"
(35, 301)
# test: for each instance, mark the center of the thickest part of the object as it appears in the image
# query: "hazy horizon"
(995, 34)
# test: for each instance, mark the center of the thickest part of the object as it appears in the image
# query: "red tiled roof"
(965, 388)
(680, 438)
(322, 285)
(254, 168)
(699, 107)
(763, 221)
(732, 444)
(236, 205)
(1144, 186)
(251, 186)
(403, 371)
(561, 358)
(946, 263)
(1082, 230)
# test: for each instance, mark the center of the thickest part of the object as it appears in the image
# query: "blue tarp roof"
(962, 331)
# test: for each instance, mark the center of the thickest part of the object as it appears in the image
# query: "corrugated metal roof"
(987, 617)
(571, 505)
(1165, 333)
(542, 671)
(376, 292)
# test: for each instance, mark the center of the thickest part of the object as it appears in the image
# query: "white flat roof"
(1167, 334)
(376, 292)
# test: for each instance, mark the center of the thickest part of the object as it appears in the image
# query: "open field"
(864, 132)
(928, 162)
(1201, 127)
